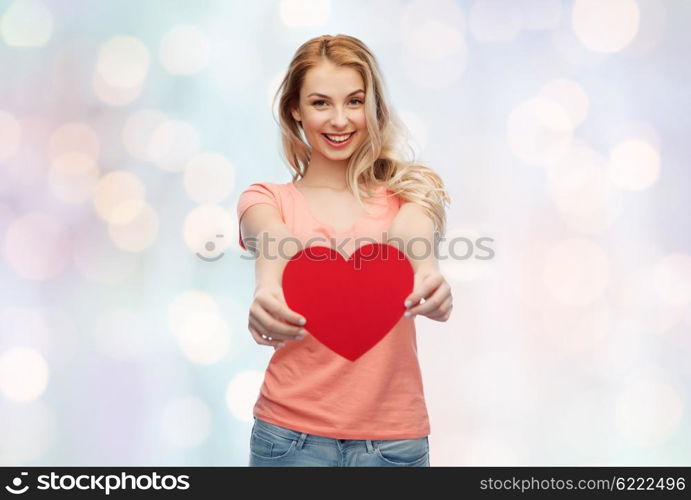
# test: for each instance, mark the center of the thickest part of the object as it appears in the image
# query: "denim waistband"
(301, 436)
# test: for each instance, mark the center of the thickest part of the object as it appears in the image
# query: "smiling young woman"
(334, 125)
(350, 181)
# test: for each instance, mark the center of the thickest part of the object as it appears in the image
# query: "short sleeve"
(255, 194)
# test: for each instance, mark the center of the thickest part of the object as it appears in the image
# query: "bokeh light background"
(129, 129)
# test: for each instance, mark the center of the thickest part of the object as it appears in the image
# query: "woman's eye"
(322, 102)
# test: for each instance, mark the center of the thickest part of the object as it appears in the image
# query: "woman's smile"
(338, 140)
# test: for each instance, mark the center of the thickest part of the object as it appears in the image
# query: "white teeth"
(338, 138)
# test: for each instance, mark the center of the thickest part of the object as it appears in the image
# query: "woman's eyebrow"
(324, 95)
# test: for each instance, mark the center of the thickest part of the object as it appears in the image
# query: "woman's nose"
(339, 118)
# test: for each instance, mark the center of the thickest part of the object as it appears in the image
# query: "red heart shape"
(350, 305)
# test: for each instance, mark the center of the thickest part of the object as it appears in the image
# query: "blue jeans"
(275, 446)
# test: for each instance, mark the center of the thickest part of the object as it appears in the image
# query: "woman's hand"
(432, 287)
(271, 322)
(412, 231)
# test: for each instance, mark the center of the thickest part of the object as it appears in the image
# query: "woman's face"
(332, 111)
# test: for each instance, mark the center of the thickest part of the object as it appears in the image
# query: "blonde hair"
(379, 159)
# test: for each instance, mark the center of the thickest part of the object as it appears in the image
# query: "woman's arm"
(270, 240)
(271, 321)
(412, 232)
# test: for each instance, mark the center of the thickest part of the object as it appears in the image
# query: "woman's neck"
(324, 173)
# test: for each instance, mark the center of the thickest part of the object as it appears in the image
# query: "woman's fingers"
(275, 327)
(262, 339)
(430, 305)
(424, 288)
(435, 292)
(444, 311)
(271, 322)
(276, 306)
(261, 331)
(271, 326)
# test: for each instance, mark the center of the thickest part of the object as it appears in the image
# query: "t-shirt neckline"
(322, 223)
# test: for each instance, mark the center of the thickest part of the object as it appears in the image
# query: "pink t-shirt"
(309, 388)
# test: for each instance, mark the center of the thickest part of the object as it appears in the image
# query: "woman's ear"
(296, 114)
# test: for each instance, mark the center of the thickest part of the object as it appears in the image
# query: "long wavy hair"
(380, 158)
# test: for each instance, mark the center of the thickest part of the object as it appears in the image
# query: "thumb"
(287, 313)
